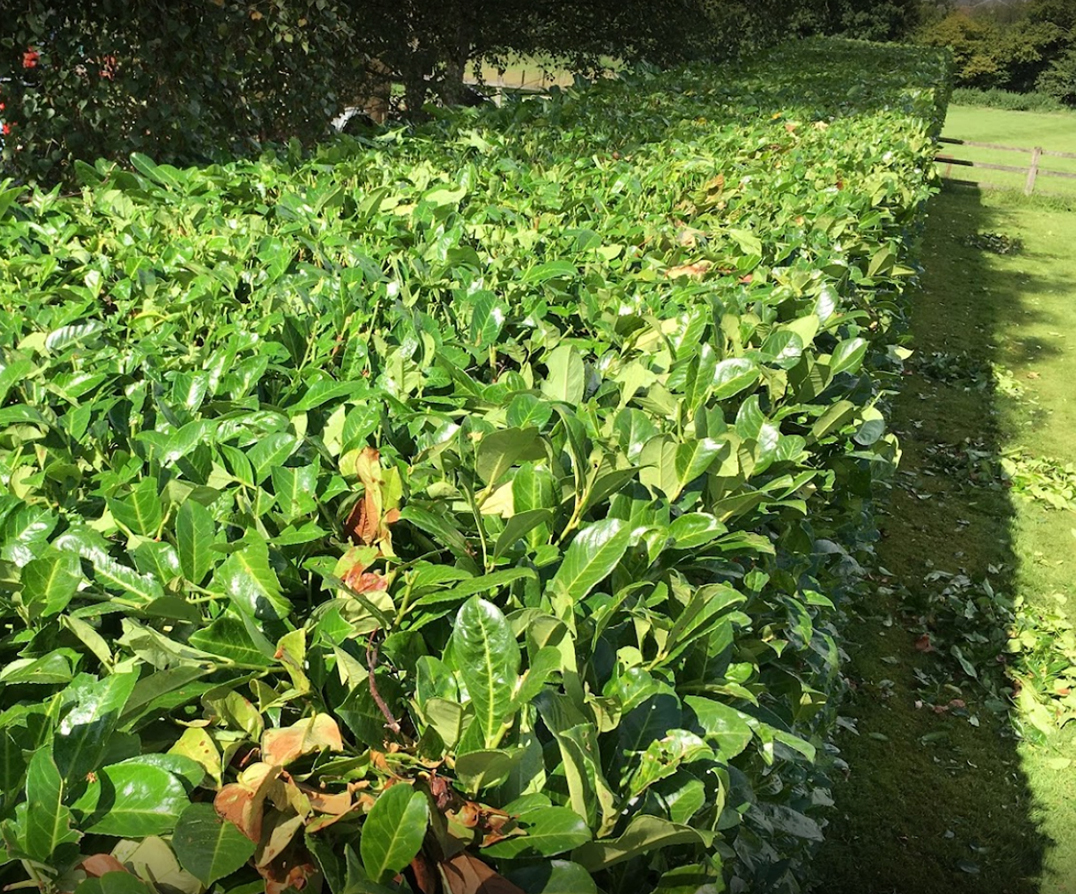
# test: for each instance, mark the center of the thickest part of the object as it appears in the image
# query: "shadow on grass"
(935, 799)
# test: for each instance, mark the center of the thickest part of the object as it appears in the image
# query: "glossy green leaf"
(694, 529)
(235, 641)
(643, 835)
(550, 270)
(271, 451)
(165, 689)
(49, 823)
(517, 527)
(733, 376)
(94, 713)
(721, 724)
(248, 580)
(591, 557)
(114, 883)
(141, 510)
(499, 451)
(566, 378)
(392, 832)
(195, 533)
(12, 763)
(132, 801)
(49, 583)
(12, 372)
(207, 846)
(528, 411)
(295, 490)
(550, 831)
(487, 656)
(553, 877)
(487, 319)
(848, 356)
(701, 377)
(533, 488)
(24, 534)
(52, 668)
(486, 768)
(836, 416)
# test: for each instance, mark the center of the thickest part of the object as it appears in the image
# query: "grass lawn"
(534, 72)
(1036, 339)
(1054, 131)
(941, 796)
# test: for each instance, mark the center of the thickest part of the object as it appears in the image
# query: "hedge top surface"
(516, 461)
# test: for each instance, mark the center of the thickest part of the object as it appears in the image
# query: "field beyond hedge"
(460, 509)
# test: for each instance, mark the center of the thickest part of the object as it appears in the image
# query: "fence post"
(1033, 171)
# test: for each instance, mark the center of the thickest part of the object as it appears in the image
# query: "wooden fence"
(496, 88)
(1032, 171)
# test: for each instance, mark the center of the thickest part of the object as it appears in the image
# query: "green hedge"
(1006, 99)
(464, 501)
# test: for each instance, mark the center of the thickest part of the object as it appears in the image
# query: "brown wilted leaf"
(716, 184)
(923, 644)
(425, 874)
(292, 869)
(277, 837)
(469, 814)
(361, 525)
(441, 789)
(369, 520)
(242, 803)
(322, 822)
(689, 237)
(317, 733)
(364, 523)
(500, 826)
(325, 802)
(464, 874)
(362, 581)
(696, 270)
(99, 864)
(287, 797)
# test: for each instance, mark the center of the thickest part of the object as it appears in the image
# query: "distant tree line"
(188, 81)
(1021, 47)
(192, 80)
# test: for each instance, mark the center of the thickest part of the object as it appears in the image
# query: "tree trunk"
(458, 55)
(415, 85)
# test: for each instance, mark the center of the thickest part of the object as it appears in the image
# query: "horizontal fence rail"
(1034, 170)
(496, 88)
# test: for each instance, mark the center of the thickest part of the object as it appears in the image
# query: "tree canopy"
(193, 80)
(1022, 48)
(188, 80)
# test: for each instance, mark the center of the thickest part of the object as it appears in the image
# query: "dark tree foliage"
(1022, 48)
(431, 44)
(183, 81)
(192, 80)
(862, 19)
